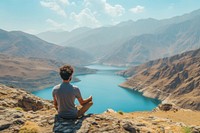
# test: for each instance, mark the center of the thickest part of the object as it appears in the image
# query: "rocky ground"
(23, 112)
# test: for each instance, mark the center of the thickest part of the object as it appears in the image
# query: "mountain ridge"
(17, 43)
(59, 37)
(104, 46)
(173, 79)
(173, 39)
(33, 73)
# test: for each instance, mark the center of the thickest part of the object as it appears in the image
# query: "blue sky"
(35, 16)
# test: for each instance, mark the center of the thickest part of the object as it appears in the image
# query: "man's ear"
(70, 78)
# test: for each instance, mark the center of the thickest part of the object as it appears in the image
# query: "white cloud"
(31, 31)
(113, 10)
(137, 9)
(85, 18)
(64, 2)
(114, 22)
(56, 25)
(94, 3)
(53, 5)
(116, 10)
(73, 4)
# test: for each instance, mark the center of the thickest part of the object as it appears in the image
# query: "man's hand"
(90, 98)
(55, 103)
(84, 101)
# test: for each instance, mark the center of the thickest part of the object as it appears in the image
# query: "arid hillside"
(21, 44)
(175, 79)
(32, 73)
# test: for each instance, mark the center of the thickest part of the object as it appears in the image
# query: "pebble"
(94, 123)
(140, 124)
(50, 122)
(19, 121)
(18, 115)
(4, 125)
(129, 127)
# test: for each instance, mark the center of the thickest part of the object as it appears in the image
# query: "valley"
(168, 71)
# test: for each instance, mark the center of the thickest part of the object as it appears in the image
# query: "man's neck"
(66, 81)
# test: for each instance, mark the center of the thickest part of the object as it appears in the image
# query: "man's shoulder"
(75, 87)
(56, 87)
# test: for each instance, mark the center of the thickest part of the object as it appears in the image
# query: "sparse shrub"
(120, 112)
(19, 109)
(29, 127)
(187, 130)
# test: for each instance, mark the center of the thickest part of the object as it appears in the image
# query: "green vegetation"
(19, 109)
(120, 112)
(187, 130)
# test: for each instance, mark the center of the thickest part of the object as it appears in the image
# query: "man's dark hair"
(66, 71)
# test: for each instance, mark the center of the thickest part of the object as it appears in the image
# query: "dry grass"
(30, 127)
(186, 116)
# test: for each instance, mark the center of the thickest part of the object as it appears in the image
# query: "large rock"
(167, 107)
(4, 125)
(67, 125)
(129, 127)
(28, 103)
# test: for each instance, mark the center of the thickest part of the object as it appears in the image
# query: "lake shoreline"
(105, 82)
(136, 90)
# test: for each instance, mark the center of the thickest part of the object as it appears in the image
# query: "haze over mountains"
(17, 43)
(127, 43)
(136, 42)
(57, 37)
(31, 63)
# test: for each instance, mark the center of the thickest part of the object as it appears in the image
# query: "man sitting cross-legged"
(64, 96)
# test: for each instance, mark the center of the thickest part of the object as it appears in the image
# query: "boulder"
(167, 107)
(28, 103)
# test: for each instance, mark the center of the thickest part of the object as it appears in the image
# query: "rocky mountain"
(173, 79)
(23, 112)
(102, 41)
(33, 73)
(168, 40)
(96, 41)
(135, 42)
(16, 43)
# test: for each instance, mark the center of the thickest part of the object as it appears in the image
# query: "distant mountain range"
(173, 79)
(61, 37)
(169, 40)
(17, 43)
(136, 42)
(127, 43)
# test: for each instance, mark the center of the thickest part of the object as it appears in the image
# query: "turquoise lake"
(103, 86)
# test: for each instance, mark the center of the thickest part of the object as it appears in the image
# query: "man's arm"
(55, 103)
(84, 101)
